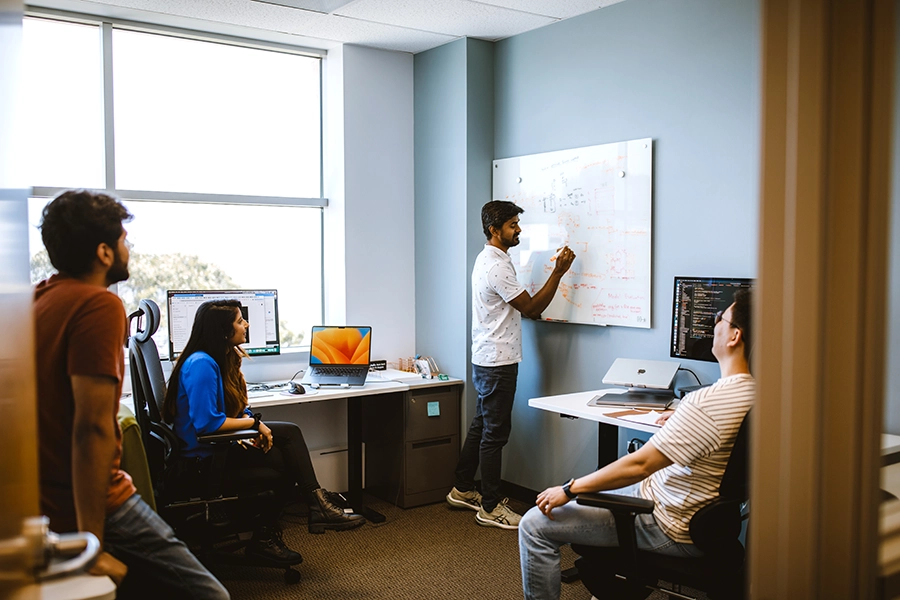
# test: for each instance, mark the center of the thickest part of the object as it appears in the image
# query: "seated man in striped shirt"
(679, 468)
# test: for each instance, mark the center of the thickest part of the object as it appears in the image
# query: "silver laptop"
(339, 355)
(649, 383)
(643, 374)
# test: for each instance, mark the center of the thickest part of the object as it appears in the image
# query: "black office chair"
(204, 510)
(627, 572)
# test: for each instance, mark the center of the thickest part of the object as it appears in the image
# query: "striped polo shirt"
(698, 439)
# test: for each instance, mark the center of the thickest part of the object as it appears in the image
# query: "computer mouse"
(296, 389)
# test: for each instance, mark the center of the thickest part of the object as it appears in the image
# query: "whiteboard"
(596, 200)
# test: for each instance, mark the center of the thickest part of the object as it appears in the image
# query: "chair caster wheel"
(291, 576)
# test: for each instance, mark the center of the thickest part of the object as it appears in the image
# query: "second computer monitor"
(695, 302)
(259, 307)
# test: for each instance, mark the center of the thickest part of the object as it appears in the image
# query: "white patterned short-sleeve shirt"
(698, 439)
(496, 326)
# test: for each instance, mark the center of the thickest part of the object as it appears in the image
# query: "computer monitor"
(695, 302)
(259, 307)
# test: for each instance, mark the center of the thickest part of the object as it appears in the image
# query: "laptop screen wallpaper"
(340, 346)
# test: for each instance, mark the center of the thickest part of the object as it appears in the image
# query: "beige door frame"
(827, 74)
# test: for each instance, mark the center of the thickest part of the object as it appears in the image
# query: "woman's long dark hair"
(213, 328)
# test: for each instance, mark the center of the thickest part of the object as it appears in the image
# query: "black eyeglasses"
(719, 318)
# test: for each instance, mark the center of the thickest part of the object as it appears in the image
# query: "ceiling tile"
(322, 6)
(401, 25)
(559, 10)
(310, 25)
(452, 17)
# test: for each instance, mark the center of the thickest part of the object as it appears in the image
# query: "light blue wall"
(684, 72)
(454, 90)
(440, 211)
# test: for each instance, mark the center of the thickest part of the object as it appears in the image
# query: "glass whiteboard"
(597, 201)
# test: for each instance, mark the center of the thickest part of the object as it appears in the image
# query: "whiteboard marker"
(558, 252)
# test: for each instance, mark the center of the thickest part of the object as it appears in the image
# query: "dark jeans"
(488, 432)
(288, 456)
(159, 564)
(249, 470)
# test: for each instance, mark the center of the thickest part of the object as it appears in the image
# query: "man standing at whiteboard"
(498, 301)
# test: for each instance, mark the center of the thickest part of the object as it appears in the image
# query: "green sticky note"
(434, 409)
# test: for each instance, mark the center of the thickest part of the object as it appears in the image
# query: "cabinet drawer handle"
(417, 445)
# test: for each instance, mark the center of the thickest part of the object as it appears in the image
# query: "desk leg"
(607, 452)
(354, 461)
(607, 444)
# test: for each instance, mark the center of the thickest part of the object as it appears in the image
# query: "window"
(195, 116)
(215, 149)
(63, 83)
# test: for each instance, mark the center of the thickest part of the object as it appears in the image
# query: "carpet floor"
(423, 553)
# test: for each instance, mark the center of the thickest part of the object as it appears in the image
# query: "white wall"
(378, 197)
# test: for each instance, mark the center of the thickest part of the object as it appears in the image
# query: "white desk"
(354, 397)
(575, 405)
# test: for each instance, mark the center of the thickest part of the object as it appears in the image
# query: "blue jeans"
(159, 564)
(488, 432)
(540, 540)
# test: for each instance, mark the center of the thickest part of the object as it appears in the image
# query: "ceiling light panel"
(451, 17)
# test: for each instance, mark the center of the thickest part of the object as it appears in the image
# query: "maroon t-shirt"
(79, 330)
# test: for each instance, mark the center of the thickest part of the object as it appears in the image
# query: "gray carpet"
(429, 552)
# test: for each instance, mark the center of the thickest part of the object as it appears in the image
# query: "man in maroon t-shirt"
(80, 331)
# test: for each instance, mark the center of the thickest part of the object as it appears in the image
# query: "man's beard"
(118, 271)
(512, 241)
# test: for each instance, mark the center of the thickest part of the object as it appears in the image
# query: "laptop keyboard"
(335, 371)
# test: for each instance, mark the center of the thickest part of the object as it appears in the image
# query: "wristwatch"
(567, 488)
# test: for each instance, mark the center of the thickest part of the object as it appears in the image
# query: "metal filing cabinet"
(412, 443)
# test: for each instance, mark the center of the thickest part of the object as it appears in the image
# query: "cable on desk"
(265, 387)
(257, 386)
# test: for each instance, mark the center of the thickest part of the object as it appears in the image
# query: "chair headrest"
(148, 321)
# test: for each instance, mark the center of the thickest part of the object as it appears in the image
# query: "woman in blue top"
(207, 394)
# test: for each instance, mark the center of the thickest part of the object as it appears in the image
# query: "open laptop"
(649, 383)
(338, 355)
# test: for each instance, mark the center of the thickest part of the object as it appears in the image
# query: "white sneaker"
(502, 516)
(459, 499)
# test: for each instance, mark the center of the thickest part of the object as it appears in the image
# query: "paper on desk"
(397, 375)
(642, 417)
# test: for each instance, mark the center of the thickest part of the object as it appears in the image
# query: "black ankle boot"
(268, 544)
(325, 514)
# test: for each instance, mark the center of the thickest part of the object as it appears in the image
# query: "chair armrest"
(616, 503)
(228, 436)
